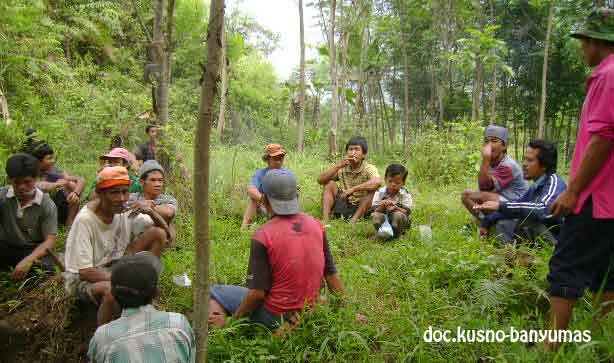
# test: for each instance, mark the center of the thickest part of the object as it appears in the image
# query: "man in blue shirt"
(274, 157)
(529, 217)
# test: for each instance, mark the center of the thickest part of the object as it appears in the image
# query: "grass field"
(403, 287)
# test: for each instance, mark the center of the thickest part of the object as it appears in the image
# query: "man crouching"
(103, 232)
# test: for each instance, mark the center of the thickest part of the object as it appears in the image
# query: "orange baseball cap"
(112, 176)
(274, 150)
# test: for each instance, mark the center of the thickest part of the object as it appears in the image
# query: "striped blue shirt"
(144, 335)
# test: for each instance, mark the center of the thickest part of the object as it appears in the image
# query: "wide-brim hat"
(279, 186)
(598, 25)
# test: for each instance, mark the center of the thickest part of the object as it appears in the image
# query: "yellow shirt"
(348, 178)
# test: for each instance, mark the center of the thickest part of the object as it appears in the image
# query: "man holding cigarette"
(350, 184)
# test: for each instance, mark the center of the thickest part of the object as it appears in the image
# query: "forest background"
(418, 78)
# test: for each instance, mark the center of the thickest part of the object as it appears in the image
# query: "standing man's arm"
(597, 152)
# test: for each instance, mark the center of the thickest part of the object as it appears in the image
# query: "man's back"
(295, 249)
(144, 335)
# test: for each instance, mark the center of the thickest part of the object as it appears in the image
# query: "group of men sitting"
(505, 205)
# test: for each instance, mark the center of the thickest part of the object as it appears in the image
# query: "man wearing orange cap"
(104, 231)
(117, 157)
(274, 157)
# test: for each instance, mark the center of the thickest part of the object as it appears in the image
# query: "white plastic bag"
(385, 230)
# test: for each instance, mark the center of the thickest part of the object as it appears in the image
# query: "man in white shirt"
(103, 232)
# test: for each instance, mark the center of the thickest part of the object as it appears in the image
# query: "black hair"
(41, 150)
(22, 165)
(360, 141)
(547, 155)
(396, 169)
(149, 127)
(128, 297)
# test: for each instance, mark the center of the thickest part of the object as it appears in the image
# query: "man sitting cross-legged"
(350, 184)
(102, 233)
(288, 261)
(142, 333)
(529, 217)
(152, 179)
(500, 178)
(274, 158)
(28, 219)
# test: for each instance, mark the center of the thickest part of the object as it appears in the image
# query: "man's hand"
(61, 183)
(483, 232)
(22, 269)
(488, 206)
(143, 203)
(343, 163)
(140, 208)
(73, 198)
(487, 152)
(564, 204)
(346, 193)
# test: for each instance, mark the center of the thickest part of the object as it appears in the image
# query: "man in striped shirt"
(529, 217)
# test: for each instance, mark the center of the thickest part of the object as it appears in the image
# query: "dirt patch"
(44, 324)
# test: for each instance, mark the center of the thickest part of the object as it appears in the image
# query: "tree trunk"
(159, 49)
(221, 119)
(332, 135)
(406, 108)
(361, 81)
(542, 107)
(315, 116)
(477, 91)
(201, 177)
(301, 94)
(391, 129)
(4, 108)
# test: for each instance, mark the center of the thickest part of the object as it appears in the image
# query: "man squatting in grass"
(28, 219)
(64, 188)
(142, 333)
(274, 158)
(500, 178)
(152, 179)
(105, 231)
(289, 259)
(584, 256)
(350, 184)
(393, 201)
(529, 217)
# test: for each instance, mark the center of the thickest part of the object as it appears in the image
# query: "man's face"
(24, 187)
(153, 132)
(114, 199)
(590, 51)
(275, 162)
(394, 184)
(153, 183)
(497, 145)
(47, 162)
(531, 167)
(355, 153)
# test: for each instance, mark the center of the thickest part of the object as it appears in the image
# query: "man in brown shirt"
(349, 185)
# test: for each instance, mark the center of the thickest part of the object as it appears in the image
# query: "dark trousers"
(10, 256)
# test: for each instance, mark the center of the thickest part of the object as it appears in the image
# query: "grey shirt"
(26, 227)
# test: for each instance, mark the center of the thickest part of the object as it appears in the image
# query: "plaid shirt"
(144, 334)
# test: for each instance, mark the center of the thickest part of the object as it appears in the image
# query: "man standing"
(350, 184)
(103, 232)
(500, 178)
(584, 256)
(28, 219)
(529, 217)
(142, 333)
(274, 157)
(147, 150)
(288, 261)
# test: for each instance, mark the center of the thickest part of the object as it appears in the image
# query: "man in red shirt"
(288, 262)
(584, 257)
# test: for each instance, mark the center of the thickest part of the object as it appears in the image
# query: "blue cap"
(279, 186)
(499, 132)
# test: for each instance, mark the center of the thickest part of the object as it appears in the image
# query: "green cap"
(598, 25)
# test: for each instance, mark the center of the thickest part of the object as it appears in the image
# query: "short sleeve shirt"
(162, 199)
(26, 226)
(93, 243)
(509, 180)
(597, 118)
(402, 199)
(348, 178)
(257, 178)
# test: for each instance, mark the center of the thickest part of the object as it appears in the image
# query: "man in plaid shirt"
(142, 334)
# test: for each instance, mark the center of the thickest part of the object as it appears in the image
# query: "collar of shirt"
(604, 63)
(357, 170)
(127, 312)
(540, 180)
(38, 198)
